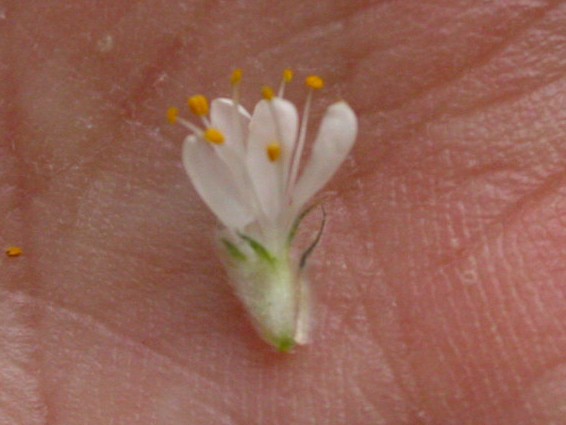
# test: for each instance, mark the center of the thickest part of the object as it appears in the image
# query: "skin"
(440, 280)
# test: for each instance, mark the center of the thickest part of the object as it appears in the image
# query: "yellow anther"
(273, 151)
(314, 82)
(14, 251)
(267, 93)
(214, 136)
(198, 105)
(172, 115)
(288, 75)
(236, 76)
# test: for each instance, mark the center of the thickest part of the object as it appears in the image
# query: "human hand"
(440, 283)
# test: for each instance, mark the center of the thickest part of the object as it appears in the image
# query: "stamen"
(14, 251)
(174, 118)
(198, 105)
(287, 78)
(314, 82)
(288, 75)
(236, 77)
(273, 151)
(267, 93)
(236, 117)
(235, 80)
(214, 136)
(190, 126)
(172, 115)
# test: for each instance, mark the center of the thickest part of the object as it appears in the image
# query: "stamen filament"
(190, 126)
(313, 82)
(296, 158)
(205, 121)
(236, 80)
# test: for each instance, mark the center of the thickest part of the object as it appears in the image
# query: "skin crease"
(440, 280)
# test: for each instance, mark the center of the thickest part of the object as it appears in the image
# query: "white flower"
(246, 169)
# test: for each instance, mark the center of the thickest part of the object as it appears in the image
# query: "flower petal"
(273, 121)
(233, 125)
(215, 183)
(334, 141)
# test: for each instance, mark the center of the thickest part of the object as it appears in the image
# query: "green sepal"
(261, 251)
(234, 251)
(312, 246)
(297, 223)
(285, 344)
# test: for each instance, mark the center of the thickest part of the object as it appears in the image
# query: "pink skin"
(440, 280)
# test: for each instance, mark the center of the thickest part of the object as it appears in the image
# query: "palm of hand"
(440, 281)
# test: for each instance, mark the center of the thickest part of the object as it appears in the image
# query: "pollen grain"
(14, 251)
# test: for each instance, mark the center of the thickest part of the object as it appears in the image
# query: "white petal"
(272, 121)
(234, 125)
(215, 184)
(334, 141)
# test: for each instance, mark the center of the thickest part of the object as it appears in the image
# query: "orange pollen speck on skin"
(214, 136)
(273, 151)
(14, 251)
